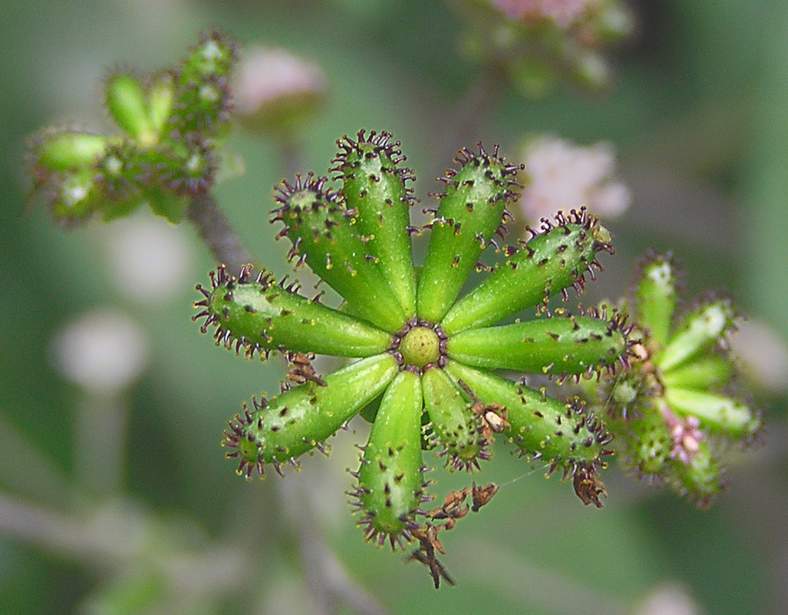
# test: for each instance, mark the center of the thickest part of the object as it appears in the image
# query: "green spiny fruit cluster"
(671, 413)
(164, 152)
(427, 352)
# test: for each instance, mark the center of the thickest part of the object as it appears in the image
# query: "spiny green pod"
(471, 211)
(716, 413)
(548, 263)
(701, 329)
(556, 345)
(66, 150)
(560, 434)
(452, 421)
(127, 103)
(646, 440)
(257, 314)
(374, 185)
(699, 479)
(321, 230)
(705, 372)
(390, 480)
(282, 429)
(655, 296)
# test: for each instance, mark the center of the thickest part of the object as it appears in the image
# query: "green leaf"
(390, 476)
(171, 207)
(556, 345)
(453, 423)
(550, 262)
(544, 428)
(321, 229)
(655, 296)
(297, 421)
(373, 184)
(470, 213)
(256, 313)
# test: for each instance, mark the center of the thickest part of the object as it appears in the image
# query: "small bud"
(69, 150)
(160, 101)
(126, 102)
(75, 196)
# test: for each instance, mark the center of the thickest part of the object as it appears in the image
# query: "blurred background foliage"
(699, 116)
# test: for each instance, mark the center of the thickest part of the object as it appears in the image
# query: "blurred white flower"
(762, 354)
(668, 599)
(148, 259)
(562, 175)
(102, 351)
(563, 12)
(273, 88)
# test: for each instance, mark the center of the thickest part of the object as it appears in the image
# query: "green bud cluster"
(426, 353)
(164, 152)
(671, 414)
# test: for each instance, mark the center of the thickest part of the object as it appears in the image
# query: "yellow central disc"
(420, 346)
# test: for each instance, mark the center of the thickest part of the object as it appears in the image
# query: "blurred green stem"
(101, 443)
(41, 479)
(325, 575)
(767, 180)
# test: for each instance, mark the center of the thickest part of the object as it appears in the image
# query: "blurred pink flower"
(270, 80)
(562, 175)
(685, 434)
(563, 12)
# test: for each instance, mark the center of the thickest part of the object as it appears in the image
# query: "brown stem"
(216, 232)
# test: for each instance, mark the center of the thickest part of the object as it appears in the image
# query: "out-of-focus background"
(114, 496)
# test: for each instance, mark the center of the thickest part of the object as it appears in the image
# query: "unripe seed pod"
(470, 213)
(715, 412)
(256, 313)
(297, 421)
(161, 97)
(547, 264)
(700, 478)
(545, 428)
(556, 345)
(390, 476)
(321, 229)
(456, 427)
(708, 372)
(655, 296)
(68, 150)
(373, 184)
(701, 329)
(126, 102)
(75, 197)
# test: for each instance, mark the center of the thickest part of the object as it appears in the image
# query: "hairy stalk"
(217, 233)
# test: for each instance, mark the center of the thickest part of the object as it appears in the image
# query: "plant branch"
(325, 574)
(216, 232)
